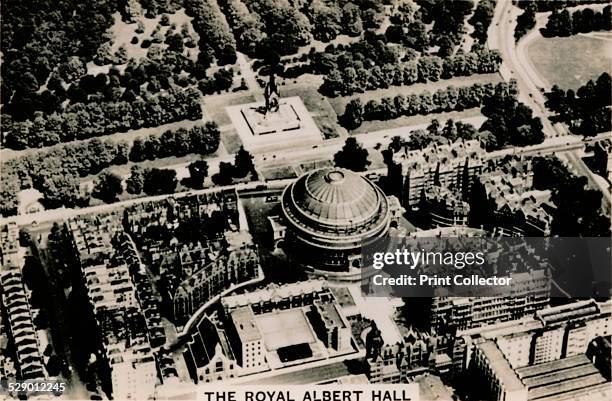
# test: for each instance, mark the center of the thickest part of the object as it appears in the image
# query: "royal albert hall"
(328, 214)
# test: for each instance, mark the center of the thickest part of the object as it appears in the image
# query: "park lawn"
(316, 103)
(214, 105)
(582, 58)
(329, 129)
(278, 173)
(339, 103)
(319, 107)
(379, 125)
(123, 33)
(230, 140)
(166, 162)
(305, 167)
(376, 159)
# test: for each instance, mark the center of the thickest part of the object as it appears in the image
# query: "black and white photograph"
(306, 200)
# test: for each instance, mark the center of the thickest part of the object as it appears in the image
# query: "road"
(515, 66)
(46, 218)
(61, 334)
(247, 73)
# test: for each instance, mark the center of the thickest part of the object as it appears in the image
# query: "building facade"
(455, 165)
(531, 292)
(520, 359)
(395, 363)
(117, 310)
(209, 278)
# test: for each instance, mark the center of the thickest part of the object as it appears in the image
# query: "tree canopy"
(107, 186)
(352, 156)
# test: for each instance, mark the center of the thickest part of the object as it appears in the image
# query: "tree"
(151, 147)
(525, 21)
(107, 186)
(549, 172)
(352, 156)
(510, 121)
(243, 163)
(224, 78)
(72, 69)
(165, 20)
(351, 20)
(326, 21)
(353, 114)
(395, 34)
(446, 46)
(213, 29)
(488, 140)
(61, 190)
(135, 182)
(225, 174)
(481, 19)
(103, 55)
(430, 68)
(588, 112)
(175, 43)
(372, 19)
(159, 181)
(198, 170)
(138, 151)
(559, 24)
(434, 127)
(121, 55)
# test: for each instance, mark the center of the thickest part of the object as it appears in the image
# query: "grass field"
(582, 58)
(214, 106)
(378, 125)
(231, 140)
(312, 165)
(319, 107)
(278, 173)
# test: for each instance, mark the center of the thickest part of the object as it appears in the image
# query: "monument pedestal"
(260, 123)
(290, 126)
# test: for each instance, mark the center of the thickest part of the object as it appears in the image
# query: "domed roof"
(334, 197)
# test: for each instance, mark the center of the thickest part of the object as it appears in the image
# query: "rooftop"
(283, 328)
(420, 161)
(330, 314)
(562, 379)
(274, 291)
(500, 365)
(333, 196)
(529, 372)
(570, 311)
(244, 321)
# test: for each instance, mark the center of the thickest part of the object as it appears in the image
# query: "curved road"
(514, 66)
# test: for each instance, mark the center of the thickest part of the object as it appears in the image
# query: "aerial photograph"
(346, 200)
